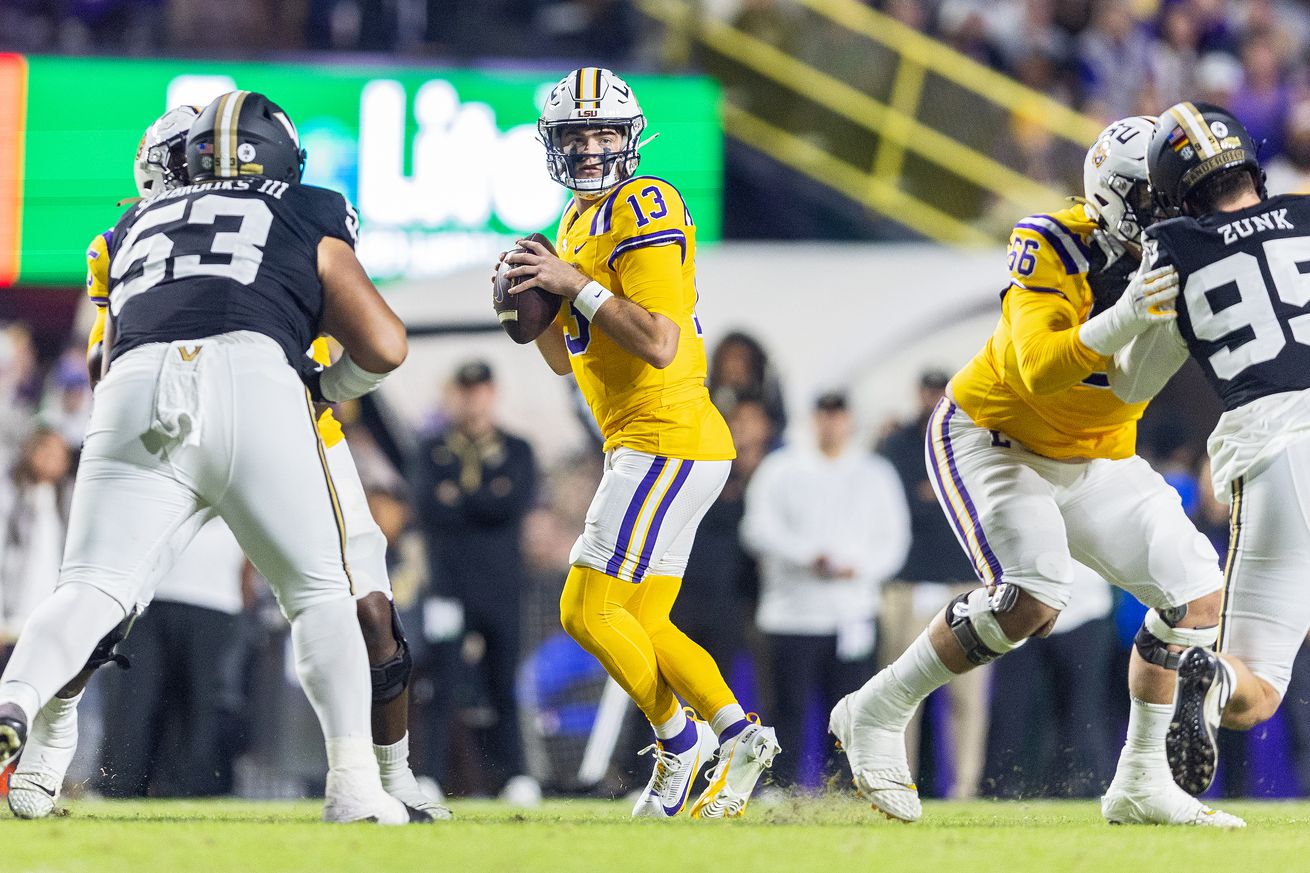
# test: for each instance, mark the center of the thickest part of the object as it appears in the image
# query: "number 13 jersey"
(639, 241)
(222, 256)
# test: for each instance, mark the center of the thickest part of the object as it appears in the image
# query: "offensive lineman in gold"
(628, 331)
(1031, 454)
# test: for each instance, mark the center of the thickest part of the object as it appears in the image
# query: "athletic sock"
(673, 727)
(891, 697)
(393, 764)
(684, 740)
(1143, 757)
(60, 719)
(728, 722)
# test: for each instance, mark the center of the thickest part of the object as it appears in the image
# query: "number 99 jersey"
(222, 256)
(1244, 310)
(639, 241)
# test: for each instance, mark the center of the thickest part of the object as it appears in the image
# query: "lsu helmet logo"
(1101, 152)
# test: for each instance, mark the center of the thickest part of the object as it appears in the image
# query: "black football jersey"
(1244, 308)
(224, 255)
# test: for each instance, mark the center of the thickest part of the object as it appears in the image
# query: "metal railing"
(889, 117)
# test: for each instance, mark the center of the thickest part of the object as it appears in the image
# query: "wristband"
(591, 298)
(346, 380)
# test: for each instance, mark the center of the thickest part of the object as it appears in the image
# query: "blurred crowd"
(824, 556)
(603, 30)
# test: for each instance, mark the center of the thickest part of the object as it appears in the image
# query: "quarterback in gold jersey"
(628, 332)
(37, 783)
(1032, 457)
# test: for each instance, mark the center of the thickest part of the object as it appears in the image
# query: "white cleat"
(742, 761)
(670, 784)
(878, 765)
(1165, 804)
(354, 797)
(405, 788)
(38, 781)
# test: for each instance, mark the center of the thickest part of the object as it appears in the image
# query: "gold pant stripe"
(332, 491)
(1230, 562)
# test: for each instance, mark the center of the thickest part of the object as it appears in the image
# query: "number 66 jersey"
(1244, 315)
(222, 256)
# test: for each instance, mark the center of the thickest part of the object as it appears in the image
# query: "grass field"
(835, 833)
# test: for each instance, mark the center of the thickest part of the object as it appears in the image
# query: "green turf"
(835, 833)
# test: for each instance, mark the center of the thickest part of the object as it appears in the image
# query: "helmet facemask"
(161, 161)
(564, 161)
(1136, 211)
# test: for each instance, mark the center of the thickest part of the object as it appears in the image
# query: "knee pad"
(1158, 633)
(972, 618)
(391, 677)
(104, 652)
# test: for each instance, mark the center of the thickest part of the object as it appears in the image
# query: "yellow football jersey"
(1035, 381)
(97, 288)
(639, 241)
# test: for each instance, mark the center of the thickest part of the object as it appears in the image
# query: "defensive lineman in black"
(258, 236)
(1243, 261)
(215, 292)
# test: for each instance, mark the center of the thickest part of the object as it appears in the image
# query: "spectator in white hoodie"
(829, 525)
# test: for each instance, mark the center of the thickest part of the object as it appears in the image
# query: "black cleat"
(13, 732)
(418, 816)
(1199, 700)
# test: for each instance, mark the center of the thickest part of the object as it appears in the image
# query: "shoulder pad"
(640, 205)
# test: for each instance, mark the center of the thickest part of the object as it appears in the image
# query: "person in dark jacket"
(473, 484)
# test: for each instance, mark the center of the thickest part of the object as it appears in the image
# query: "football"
(524, 316)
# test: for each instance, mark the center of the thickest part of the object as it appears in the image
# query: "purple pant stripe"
(630, 517)
(988, 555)
(681, 476)
(935, 469)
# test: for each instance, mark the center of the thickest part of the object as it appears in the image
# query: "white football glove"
(1148, 299)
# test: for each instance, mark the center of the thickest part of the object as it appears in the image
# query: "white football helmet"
(1114, 178)
(161, 156)
(591, 97)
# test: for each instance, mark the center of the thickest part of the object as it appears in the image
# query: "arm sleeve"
(1141, 369)
(1044, 326)
(765, 532)
(1043, 312)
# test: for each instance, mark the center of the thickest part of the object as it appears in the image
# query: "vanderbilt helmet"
(588, 98)
(243, 133)
(1115, 181)
(161, 157)
(1192, 142)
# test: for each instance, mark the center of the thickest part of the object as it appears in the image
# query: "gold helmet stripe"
(1198, 131)
(225, 133)
(219, 143)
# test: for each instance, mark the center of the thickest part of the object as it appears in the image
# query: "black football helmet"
(243, 133)
(1192, 142)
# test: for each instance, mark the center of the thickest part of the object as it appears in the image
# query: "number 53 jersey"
(224, 256)
(639, 241)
